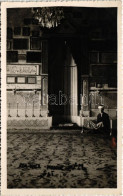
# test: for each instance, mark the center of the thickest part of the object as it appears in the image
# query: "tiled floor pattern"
(64, 160)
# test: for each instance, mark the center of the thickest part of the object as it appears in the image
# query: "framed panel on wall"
(11, 80)
(20, 44)
(109, 57)
(102, 70)
(34, 57)
(31, 80)
(17, 31)
(21, 80)
(12, 56)
(35, 43)
(22, 69)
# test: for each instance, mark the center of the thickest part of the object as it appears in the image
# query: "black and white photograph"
(62, 105)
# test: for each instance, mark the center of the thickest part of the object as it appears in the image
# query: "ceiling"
(78, 21)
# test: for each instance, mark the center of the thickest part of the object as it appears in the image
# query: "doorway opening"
(63, 82)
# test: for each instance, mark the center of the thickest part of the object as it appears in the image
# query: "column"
(85, 95)
(44, 78)
(70, 86)
(73, 90)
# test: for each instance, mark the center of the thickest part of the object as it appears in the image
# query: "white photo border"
(39, 192)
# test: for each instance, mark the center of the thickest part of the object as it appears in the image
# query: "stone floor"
(59, 159)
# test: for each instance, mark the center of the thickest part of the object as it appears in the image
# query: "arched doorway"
(63, 82)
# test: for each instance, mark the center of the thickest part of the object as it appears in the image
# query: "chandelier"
(48, 16)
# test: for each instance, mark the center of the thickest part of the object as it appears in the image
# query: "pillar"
(70, 86)
(44, 76)
(85, 95)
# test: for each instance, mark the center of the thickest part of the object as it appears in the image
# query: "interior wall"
(27, 76)
(93, 43)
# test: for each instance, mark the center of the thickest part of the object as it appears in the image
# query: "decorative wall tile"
(10, 79)
(21, 80)
(31, 80)
(23, 69)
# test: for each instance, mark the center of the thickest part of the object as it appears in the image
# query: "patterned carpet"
(61, 160)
